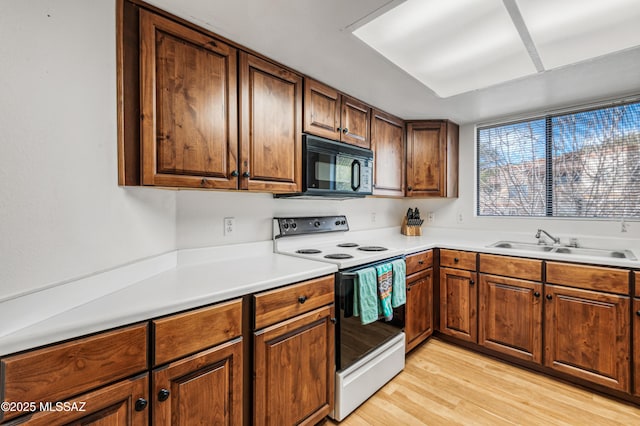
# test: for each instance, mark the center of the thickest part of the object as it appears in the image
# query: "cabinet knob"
(246, 174)
(339, 129)
(345, 130)
(420, 262)
(302, 299)
(638, 313)
(456, 260)
(203, 182)
(409, 188)
(471, 282)
(235, 173)
(141, 404)
(536, 294)
(334, 320)
(163, 394)
(549, 297)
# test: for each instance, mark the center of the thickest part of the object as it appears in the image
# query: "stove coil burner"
(347, 245)
(308, 251)
(372, 248)
(338, 256)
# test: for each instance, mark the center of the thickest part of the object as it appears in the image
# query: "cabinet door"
(294, 370)
(426, 159)
(124, 403)
(458, 304)
(321, 110)
(636, 339)
(270, 126)
(587, 335)
(203, 389)
(419, 308)
(189, 106)
(356, 117)
(387, 143)
(511, 317)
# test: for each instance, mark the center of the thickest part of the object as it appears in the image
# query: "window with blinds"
(577, 164)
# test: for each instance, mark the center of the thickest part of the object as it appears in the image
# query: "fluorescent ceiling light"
(451, 47)
(455, 46)
(570, 31)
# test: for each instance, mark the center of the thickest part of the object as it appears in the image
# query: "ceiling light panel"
(451, 47)
(570, 31)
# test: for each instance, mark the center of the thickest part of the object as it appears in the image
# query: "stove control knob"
(316, 224)
(285, 226)
(337, 222)
(342, 222)
(294, 226)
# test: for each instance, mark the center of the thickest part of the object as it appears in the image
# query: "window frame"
(548, 116)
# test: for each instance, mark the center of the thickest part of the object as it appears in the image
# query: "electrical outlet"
(373, 217)
(624, 226)
(431, 216)
(459, 217)
(229, 226)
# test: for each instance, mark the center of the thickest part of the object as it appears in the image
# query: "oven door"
(354, 341)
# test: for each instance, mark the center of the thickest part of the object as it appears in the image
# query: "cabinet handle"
(235, 173)
(536, 294)
(333, 320)
(141, 404)
(163, 395)
(339, 129)
(549, 297)
(409, 188)
(408, 288)
(420, 262)
(638, 313)
(345, 130)
(203, 182)
(471, 282)
(456, 260)
(302, 299)
(246, 174)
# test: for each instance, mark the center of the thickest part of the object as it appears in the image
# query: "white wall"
(447, 211)
(201, 214)
(62, 214)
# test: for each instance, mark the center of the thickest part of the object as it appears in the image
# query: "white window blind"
(576, 164)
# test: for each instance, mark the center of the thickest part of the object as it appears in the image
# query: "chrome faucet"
(541, 238)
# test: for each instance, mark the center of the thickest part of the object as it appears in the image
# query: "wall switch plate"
(373, 217)
(229, 226)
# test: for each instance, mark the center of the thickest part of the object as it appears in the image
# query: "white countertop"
(191, 278)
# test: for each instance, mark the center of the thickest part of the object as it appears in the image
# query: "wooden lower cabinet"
(121, 404)
(636, 340)
(587, 335)
(419, 308)
(203, 389)
(510, 319)
(458, 304)
(294, 370)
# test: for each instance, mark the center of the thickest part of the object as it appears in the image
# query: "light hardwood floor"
(443, 384)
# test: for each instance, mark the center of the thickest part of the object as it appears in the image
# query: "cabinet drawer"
(588, 277)
(57, 372)
(283, 303)
(193, 331)
(526, 269)
(458, 259)
(419, 261)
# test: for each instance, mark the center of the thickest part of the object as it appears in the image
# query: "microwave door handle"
(355, 175)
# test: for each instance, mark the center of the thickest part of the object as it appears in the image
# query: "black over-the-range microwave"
(334, 169)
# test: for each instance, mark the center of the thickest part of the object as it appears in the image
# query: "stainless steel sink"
(577, 251)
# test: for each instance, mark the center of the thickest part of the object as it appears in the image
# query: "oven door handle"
(355, 175)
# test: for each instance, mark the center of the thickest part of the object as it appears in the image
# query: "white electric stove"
(367, 356)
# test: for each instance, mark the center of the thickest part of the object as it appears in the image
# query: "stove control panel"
(287, 226)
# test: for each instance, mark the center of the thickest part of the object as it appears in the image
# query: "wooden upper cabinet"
(356, 116)
(332, 115)
(387, 143)
(270, 126)
(188, 105)
(432, 159)
(322, 112)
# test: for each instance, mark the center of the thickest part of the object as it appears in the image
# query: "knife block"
(410, 230)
